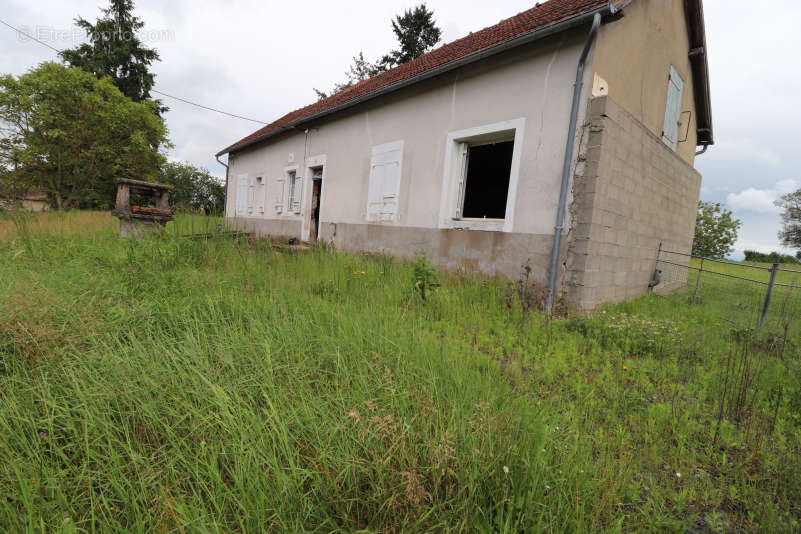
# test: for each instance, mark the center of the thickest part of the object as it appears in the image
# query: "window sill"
(487, 225)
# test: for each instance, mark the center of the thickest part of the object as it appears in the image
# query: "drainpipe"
(571, 135)
(703, 149)
(225, 196)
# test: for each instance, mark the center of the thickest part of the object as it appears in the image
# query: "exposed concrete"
(138, 229)
(634, 56)
(489, 252)
(631, 193)
(274, 228)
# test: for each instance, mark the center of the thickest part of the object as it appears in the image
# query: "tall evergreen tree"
(115, 50)
(417, 33)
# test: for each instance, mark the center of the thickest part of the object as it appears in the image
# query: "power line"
(29, 36)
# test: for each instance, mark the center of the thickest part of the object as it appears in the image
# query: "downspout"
(225, 196)
(566, 165)
(703, 149)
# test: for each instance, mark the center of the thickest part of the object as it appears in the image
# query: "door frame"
(312, 163)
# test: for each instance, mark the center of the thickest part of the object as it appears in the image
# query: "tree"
(70, 135)
(416, 32)
(715, 231)
(790, 234)
(114, 50)
(193, 188)
(361, 69)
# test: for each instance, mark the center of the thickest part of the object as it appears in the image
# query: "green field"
(220, 385)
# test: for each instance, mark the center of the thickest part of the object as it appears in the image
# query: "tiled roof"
(539, 17)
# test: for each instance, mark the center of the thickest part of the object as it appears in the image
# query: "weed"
(425, 279)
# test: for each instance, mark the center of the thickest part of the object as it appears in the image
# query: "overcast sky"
(262, 58)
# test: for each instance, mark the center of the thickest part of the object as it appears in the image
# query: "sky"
(261, 59)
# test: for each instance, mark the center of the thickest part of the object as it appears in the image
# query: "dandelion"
(506, 469)
(625, 367)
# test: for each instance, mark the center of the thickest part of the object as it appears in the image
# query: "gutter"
(568, 160)
(225, 194)
(436, 71)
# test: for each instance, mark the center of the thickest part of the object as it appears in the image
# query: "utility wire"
(29, 36)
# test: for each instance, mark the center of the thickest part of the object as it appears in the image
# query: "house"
(563, 137)
(30, 201)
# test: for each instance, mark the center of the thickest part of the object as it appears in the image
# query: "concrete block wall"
(630, 193)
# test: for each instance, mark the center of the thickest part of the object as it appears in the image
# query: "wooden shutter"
(670, 130)
(384, 187)
(251, 194)
(464, 154)
(279, 194)
(241, 193)
(261, 194)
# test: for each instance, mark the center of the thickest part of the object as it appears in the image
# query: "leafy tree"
(715, 230)
(193, 188)
(417, 33)
(772, 257)
(70, 135)
(114, 50)
(790, 234)
(361, 69)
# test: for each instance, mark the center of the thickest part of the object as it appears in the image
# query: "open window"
(481, 170)
(294, 180)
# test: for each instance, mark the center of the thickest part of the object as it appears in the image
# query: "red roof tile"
(536, 18)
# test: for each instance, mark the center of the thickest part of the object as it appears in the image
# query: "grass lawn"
(179, 385)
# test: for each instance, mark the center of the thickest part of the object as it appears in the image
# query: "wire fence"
(747, 295)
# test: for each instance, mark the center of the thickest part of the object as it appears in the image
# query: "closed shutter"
(241, 193)
(251, 194)
(670, 130)
(384, 187)
(279, 194)
(296, 192)
(261, 194)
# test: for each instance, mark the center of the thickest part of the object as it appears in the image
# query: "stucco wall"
(631, 193)
(532, 82)
(634, 56)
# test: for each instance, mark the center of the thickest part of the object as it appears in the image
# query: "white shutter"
(241, 193)
(251, 194)
(670, 130)
(463, 159)
(261, 194)
(374, 199)
(384, 187)
(279, 194)
(296, 192)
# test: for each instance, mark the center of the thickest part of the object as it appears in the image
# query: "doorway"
(317, 187)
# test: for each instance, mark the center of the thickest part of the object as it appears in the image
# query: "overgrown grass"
(177, 385)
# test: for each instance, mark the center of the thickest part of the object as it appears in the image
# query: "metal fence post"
(698, 279)
(766, 305)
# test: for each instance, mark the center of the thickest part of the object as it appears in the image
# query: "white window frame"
(379, 152)
(286, 202)
(454, 174)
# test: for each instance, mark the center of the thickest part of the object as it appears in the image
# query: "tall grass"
(178, 385)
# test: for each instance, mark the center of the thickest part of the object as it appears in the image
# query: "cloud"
(762, 200)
